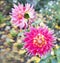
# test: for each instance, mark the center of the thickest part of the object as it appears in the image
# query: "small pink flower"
(22, 15)
(39, 41)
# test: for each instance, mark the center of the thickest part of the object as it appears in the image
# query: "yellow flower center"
(39, 40)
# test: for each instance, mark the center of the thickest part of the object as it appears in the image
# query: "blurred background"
(11, 50)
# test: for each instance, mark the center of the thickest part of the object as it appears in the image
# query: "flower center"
(20, 16)
(39, 40)
(26, 15)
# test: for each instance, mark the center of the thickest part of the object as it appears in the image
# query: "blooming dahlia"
(21, 15)
(39, 41)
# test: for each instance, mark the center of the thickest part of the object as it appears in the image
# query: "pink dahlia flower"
(39, 41)
(21, 15)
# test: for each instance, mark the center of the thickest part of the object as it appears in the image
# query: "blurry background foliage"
(54, 57)
(11, 36)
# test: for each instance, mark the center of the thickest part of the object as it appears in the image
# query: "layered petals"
(22, 15)
(39, 41)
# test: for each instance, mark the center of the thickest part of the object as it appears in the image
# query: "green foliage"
(1, 18)
(36, 23)
(9, 43)
(38, 4)
(52, 13)
(22, 1)
(19, 46)
(20, 34)
(58, 55)
(52, 58)
(8, 23)
(13, 33)
(9, 1)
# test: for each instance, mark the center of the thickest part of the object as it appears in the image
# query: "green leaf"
(8, 23)
(53, 60)
(20, 34)
(19, 46)
(46, 58)
(1, 18)
(13, 33)
(58, 55)
(42, 61)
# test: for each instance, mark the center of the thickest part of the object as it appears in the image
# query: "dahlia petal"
(18, 15)
(39, 41)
